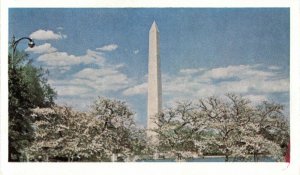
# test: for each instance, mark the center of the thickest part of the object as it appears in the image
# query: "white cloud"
(242, 79)
(82, 103)
(191, 71)
(108, 48)
(106, 76)
(89, 82)
(254, 81)
(95, 73)
(77, 87)
(237, 79)
(44, 48)
(256, 99)
(274, 67)
(136, 51)
(135, 90)
(64, 69)
(241, 71)
(70, 90)
(46, 35)
(119, 65)
(95, 77)
(61, 59)
(103, 79)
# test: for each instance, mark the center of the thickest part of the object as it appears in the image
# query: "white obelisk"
(154, 82)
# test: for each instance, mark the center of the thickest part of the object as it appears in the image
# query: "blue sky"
(104, 52)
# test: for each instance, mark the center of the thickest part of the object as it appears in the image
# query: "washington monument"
(154, 82)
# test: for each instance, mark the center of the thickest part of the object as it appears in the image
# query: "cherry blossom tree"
(232, 124)
(180, 131)
(241, 128)
(119, 132)
(62, 134)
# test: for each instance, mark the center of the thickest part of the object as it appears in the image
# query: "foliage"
(120, 134)
(28, 88)
(180, 131)
(65, 135)
(231, 126)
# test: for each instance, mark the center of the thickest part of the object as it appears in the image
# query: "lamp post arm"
(15, 43)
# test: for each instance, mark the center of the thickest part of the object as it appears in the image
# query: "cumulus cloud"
(254, 81)
(69, 90)
(104, 79)
(274, 67)
(191, 71)
(40, 49)
(61, 69)
(135, 90)
(46, 35)
(108, 48)
(88, 80)
(80, 78)
(241, 72)
(61, 59)
(82, 103)
(136, 51)
(237, 79)
(256, 98)
(95, 75)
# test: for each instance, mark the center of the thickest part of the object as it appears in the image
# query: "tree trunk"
(226, 155)
(47, 158)
(27, 157)
(226, 158)
(255, 158)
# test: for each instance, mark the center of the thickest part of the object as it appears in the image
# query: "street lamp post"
(14, 44)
